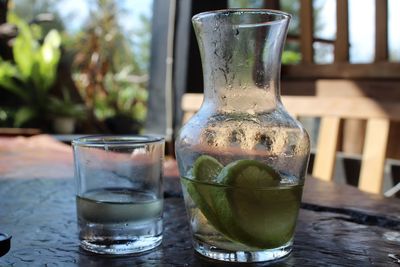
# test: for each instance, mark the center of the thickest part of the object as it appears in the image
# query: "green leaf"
(53, 38)
(36, 78)
(66, 107)
(142, 95)
(48, 59)
(23, 115)
(37, 31)
(13, 18)
(139, 111)
(8, 73)
(24, 50)
(290, 57)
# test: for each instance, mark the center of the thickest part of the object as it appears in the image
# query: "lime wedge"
(267, 216)
(256, 212)
(199, 193)
(249, 207)
(248, 173)
(205, 169)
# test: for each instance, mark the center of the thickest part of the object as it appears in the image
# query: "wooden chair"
(332, 110)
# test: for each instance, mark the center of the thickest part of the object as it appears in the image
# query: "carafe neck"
(241, 58)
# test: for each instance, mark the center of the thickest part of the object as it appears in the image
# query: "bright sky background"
(362, 27)
(77, 13)
(362, 30)
(394, 32)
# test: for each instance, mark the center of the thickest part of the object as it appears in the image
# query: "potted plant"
(65, 113)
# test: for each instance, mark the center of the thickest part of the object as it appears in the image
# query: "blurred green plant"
(110, 75)
(6, 116)
(291, 57)
(128, 97)
(97, 54)
(65, 107)
(33, 71)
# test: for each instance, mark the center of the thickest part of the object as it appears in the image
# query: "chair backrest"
(331, 111)
(190, 105)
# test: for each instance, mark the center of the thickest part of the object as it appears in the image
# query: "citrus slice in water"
(206, 168)
(267, 216)
(248, 173)
(205, 171)
(255, 210)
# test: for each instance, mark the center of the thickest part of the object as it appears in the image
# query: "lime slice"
(248, 173)
(267, 216)
(198, 193)
(249, 206)
(205, 169)
(256, 212)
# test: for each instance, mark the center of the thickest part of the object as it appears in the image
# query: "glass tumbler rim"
(102, 140)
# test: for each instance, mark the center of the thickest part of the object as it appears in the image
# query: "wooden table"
(338, 225)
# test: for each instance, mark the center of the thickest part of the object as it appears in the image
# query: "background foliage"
(97, 73)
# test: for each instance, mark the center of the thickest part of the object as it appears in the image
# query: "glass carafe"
(242, 158)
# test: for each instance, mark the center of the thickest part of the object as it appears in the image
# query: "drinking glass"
(119, 196)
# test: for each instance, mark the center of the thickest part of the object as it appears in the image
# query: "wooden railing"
(341, 43)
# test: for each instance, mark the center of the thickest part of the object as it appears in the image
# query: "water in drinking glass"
(120, 216)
